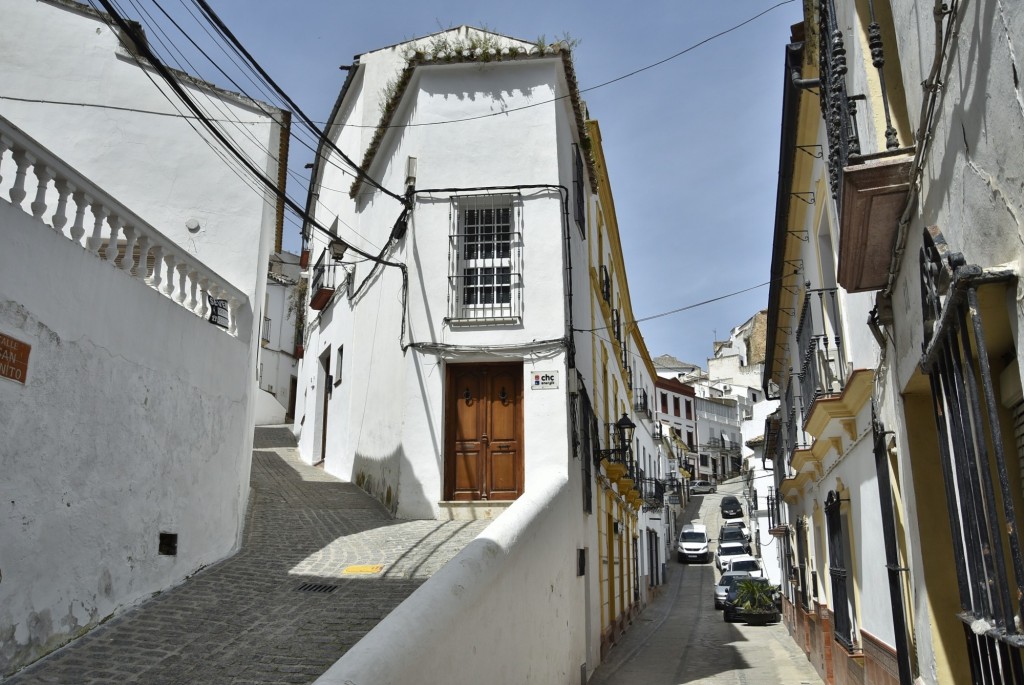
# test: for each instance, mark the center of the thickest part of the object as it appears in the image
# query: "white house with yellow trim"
(903, 450)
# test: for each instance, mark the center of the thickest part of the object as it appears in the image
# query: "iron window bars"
(485, 254)
(986, 550)
(842, 623)
(579, 191)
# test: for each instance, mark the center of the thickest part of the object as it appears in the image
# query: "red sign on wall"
(13, 358)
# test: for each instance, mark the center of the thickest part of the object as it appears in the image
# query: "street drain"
(317, 587)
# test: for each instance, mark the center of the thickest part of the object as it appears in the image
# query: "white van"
(693, 543)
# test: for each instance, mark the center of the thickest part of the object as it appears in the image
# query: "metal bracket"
(806, 149)
(800, 235)
(801, 196)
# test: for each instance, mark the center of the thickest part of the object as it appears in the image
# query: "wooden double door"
(484, 432)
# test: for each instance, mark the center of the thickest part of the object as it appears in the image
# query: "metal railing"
(820, 346)
(265, 332)
(838, 108)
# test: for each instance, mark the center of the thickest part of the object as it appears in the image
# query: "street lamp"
(624, 429)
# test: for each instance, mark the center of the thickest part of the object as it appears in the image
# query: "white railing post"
(78, 227)
(99, 215)
(23, 160)
(128, 260)
(43, 177)
(60, 215)
(115, 223)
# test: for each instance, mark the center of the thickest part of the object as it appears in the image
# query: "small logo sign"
(13, 359)
(545, 380)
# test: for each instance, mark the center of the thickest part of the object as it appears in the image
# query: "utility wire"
(226, 32)
(175, 86)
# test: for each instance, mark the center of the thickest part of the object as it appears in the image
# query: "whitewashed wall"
(476, 620)
(132, 422)
(385, 444)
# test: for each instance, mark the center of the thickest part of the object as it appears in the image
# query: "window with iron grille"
(842, 623)
(485, 274)
(579, 191)
(616, 325)
(587, 428)
(976, 471)
(606, 284)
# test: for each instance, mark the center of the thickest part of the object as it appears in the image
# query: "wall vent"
(168, 544)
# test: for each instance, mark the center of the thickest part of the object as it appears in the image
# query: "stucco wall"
(475, 620)
(132, 423)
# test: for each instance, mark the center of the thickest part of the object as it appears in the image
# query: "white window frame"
(485, 270)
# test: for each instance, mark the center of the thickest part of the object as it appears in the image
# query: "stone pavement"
(248, 619)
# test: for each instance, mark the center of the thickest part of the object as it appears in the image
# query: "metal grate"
(320, 588)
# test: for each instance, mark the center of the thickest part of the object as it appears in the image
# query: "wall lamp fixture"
(624, 429)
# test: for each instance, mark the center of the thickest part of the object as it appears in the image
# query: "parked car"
(739, 524)
(693, 543)
(746, 564)
(731, 534)
(726, 582)
(702, 487)
(731, 507)
(731, 611)
(726, 550)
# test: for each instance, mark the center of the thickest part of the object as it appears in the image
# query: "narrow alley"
(682, 638)
(322, 562)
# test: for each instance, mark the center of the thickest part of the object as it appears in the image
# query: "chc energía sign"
(544, 380)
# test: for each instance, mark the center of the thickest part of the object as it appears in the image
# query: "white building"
(127, 431)
(469, 352)
(894, 325)
(280, 340)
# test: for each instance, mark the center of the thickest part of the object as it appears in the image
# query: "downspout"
(796, 50)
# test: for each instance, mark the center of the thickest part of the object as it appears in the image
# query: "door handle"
(484, 439)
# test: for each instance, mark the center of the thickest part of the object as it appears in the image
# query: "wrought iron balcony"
(323, 282)
(265, 333)
(653, 492)
(870, 186)
(641, 404)
(819, 343)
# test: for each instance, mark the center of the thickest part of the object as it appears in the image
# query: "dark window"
(842, 624)
(689, 410)
(675, 406)
(579, 191)
(664, 403)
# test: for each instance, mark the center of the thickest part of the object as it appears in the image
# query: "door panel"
(483, 455)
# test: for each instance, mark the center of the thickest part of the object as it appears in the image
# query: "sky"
(691, 144)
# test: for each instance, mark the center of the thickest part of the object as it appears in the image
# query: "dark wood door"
(483, 436)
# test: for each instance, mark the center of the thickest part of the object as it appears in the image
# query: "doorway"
(483, 432)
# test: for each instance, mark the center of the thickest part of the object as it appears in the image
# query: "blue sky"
(692, 144)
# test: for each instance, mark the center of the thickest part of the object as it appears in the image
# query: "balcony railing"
(110, 231)
(322, 284)
(265, 333)
(819, 341)
(870, 186)
(653, 493)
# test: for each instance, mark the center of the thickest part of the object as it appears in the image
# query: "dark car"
(731, 534)
(731, 612)
(731, 507)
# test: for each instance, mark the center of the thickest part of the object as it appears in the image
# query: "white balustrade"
(62, 193)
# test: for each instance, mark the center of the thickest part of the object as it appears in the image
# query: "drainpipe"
(796, 50)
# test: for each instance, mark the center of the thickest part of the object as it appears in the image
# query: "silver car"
(727, 580)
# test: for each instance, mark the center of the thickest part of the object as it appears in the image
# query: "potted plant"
(757, 602)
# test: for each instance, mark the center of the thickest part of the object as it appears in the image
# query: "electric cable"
(225, 31)
(172, 82)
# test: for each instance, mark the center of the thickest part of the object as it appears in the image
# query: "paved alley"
(681, 638)
(283, 609)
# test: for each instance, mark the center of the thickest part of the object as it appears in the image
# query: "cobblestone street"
(283, 609)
